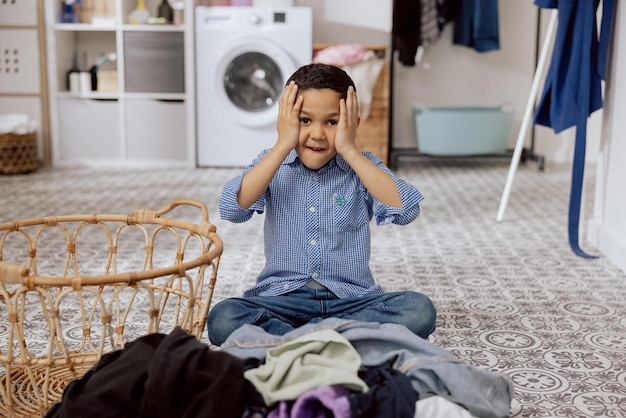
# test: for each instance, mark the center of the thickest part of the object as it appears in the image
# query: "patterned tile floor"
(511, 296)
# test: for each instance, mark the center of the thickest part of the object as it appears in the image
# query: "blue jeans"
(278, 315)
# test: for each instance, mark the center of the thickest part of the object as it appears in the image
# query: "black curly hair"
(322, 76)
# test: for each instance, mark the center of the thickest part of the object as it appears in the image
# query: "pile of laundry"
(333, 368)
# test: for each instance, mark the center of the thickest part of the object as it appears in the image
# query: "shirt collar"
(337, 160)
(291, 158)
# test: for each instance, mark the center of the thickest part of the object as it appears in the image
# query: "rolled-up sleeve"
(229, 207)
(411, 198)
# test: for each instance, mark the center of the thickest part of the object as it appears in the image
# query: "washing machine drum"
(250, 78)
(253, 82)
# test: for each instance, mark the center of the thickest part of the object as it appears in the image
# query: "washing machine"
(244, 56)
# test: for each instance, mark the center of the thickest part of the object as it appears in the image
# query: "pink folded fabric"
(343, 54)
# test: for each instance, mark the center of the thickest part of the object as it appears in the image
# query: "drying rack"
(521, 155)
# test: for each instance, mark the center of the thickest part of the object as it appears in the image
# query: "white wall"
(326, 29)
(453, 75)
(607, 229)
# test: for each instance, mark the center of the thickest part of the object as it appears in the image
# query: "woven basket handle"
(205, 227)
(150, 215)
(191, 202)
(12, 273)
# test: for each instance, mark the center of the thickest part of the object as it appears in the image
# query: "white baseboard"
(611, 245)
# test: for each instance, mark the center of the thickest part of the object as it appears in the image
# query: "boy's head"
(322, 76)
(322, 87)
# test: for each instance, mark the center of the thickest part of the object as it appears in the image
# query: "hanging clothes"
(573, 90)
(429, 24)
(416, 24)
(406, 30)
(476, 25)
(446, 10)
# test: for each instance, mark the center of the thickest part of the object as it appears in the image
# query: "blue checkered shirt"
(317, 225)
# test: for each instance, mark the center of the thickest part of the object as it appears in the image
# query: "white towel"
(365, 75)
(17, 123)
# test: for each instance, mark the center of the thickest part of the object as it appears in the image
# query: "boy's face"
(319, 117)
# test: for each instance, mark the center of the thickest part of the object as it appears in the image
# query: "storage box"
(107, 81)
(155, 62)
(459, 131)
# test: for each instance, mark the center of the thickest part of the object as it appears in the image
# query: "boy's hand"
(345, 138)
(288, 124)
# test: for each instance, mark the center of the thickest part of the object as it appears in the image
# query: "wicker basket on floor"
(18, 153)
(154, 273)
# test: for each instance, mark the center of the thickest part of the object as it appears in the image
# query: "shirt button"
(312, 209)
(312, 242)
(314, 176)
(314, 275)
(286, 286)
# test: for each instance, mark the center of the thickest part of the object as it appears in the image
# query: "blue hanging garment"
(573, 88)
(476, 25)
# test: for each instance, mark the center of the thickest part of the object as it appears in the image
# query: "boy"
(318, 193)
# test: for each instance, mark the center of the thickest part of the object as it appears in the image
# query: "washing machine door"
(249, 78)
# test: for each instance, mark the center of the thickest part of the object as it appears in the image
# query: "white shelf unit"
(149, 120)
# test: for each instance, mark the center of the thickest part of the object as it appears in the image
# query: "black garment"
(390, 394)
(411, 28)
(406, 29)
(157, 376)
(446, 11)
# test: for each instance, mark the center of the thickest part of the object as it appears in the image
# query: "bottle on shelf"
(72, 75)
(69, 15)
(165, 11)
(179, 12)
(94, 70)
(140, 15)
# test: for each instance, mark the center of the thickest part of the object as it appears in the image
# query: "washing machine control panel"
(244, 17)
(255, 19)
